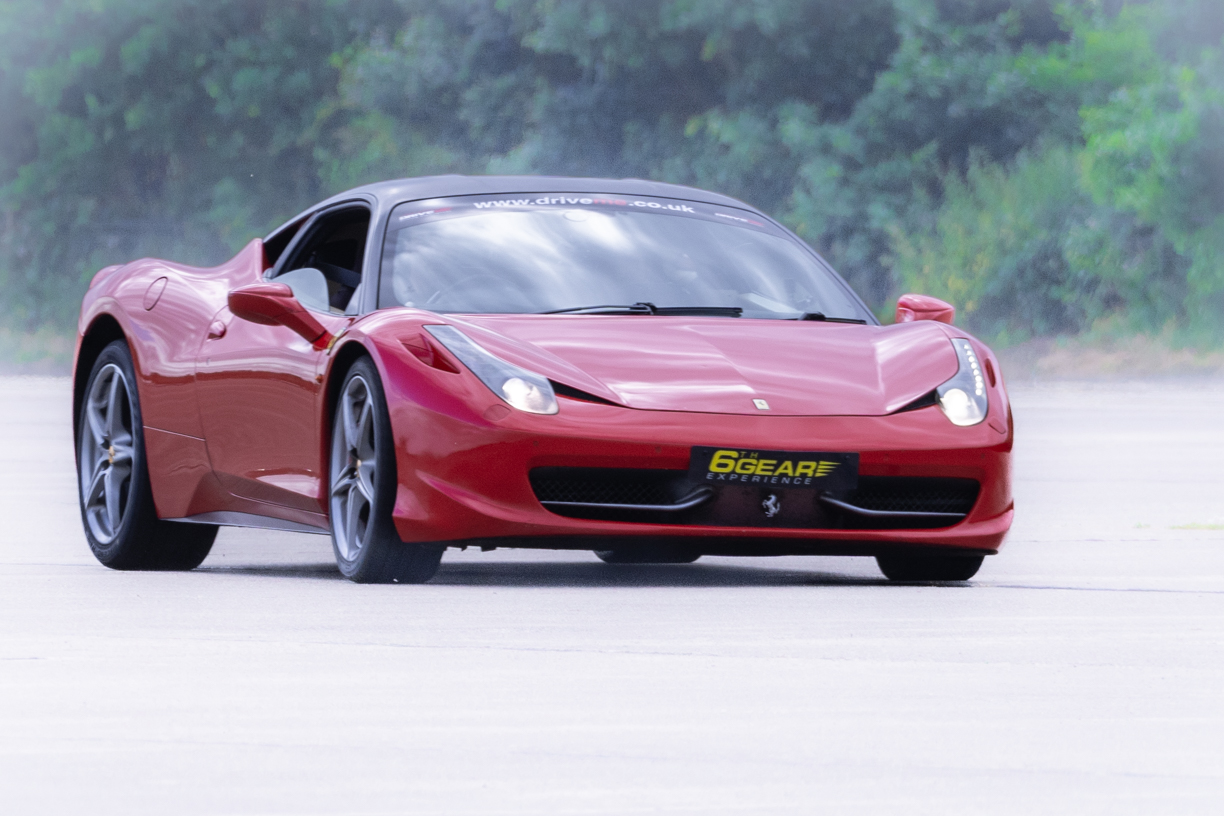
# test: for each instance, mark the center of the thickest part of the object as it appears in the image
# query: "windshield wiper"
(651, 309)
(820, 316)
(637, 308)
(700, 311)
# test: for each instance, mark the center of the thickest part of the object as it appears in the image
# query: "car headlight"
(520, 388)
(963, 398)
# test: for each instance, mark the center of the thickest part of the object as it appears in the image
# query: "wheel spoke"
(365, 480)
(96, 423)
(97, 483)
(121, 473)
(114, 412)
(349, 422)
(114, 514)
(365, 430)
(352, 519)
(344, 481)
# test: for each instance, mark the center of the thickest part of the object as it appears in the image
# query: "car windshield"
(491, 254)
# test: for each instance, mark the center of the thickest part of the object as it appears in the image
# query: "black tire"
(926, 567)
(111, 466)
(649, 554)
(362, 492)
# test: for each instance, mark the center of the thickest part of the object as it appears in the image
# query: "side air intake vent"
(897, 502)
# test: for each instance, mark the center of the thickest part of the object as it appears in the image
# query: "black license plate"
(777, 469)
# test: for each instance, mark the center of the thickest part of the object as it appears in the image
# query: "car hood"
(721, 365)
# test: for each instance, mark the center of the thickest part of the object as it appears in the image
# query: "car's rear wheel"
(649, 554)
(363, 482)
(121, 523)
(928, 567)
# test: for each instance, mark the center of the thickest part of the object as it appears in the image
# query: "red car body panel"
(706, 365)
(254, 387)
(237, 419)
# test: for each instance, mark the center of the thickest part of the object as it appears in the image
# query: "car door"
(259, 386)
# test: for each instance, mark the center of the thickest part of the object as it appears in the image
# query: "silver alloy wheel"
(353, 460)
(105, 460)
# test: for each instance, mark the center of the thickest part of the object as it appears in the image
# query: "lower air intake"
(670, 497)
(607, 486)
(900, 494)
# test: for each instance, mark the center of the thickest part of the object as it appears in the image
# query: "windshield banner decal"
(417, 211)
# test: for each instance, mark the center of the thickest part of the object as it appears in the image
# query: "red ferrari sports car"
(648, 371)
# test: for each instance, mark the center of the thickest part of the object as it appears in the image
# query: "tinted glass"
(539, 254)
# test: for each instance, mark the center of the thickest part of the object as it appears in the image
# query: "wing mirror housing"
(924, 307)
(273, 304)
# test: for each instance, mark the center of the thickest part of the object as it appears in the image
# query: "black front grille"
(608, 485)
(900, 494)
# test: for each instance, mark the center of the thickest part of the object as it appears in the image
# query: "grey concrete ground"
(1081, 673)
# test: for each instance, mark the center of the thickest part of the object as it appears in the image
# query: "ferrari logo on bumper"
(771, 506)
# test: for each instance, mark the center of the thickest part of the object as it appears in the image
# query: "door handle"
(216, 330)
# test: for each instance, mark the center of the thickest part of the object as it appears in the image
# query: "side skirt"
(230, 518)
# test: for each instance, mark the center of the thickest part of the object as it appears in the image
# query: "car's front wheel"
(363, 483)
(917, 567)
(121, 523)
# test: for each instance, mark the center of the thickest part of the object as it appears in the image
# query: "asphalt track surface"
(1082, 672)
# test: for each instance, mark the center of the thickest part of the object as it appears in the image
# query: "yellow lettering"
(765, 467)
(787, 468)
(805, 469)
(745, 466)
(723, 461)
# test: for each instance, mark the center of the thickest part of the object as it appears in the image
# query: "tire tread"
(928, 568)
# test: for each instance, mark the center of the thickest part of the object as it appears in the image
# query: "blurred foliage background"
(1048, 167)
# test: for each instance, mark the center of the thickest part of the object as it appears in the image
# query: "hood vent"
(563, 390)
(925, 401)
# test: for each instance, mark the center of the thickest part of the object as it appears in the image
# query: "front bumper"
(464, 475)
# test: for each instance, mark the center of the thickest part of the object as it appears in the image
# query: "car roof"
(390, 193)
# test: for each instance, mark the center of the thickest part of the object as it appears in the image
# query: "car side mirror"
(273, 304)
(924, 307)
(309, 287)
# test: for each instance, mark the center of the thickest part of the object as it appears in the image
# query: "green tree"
(1122, 218)
(156, 128)
(1043, 164)
(1155, 149)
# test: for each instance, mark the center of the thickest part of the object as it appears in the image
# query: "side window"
(276, 243)
(335, 246)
